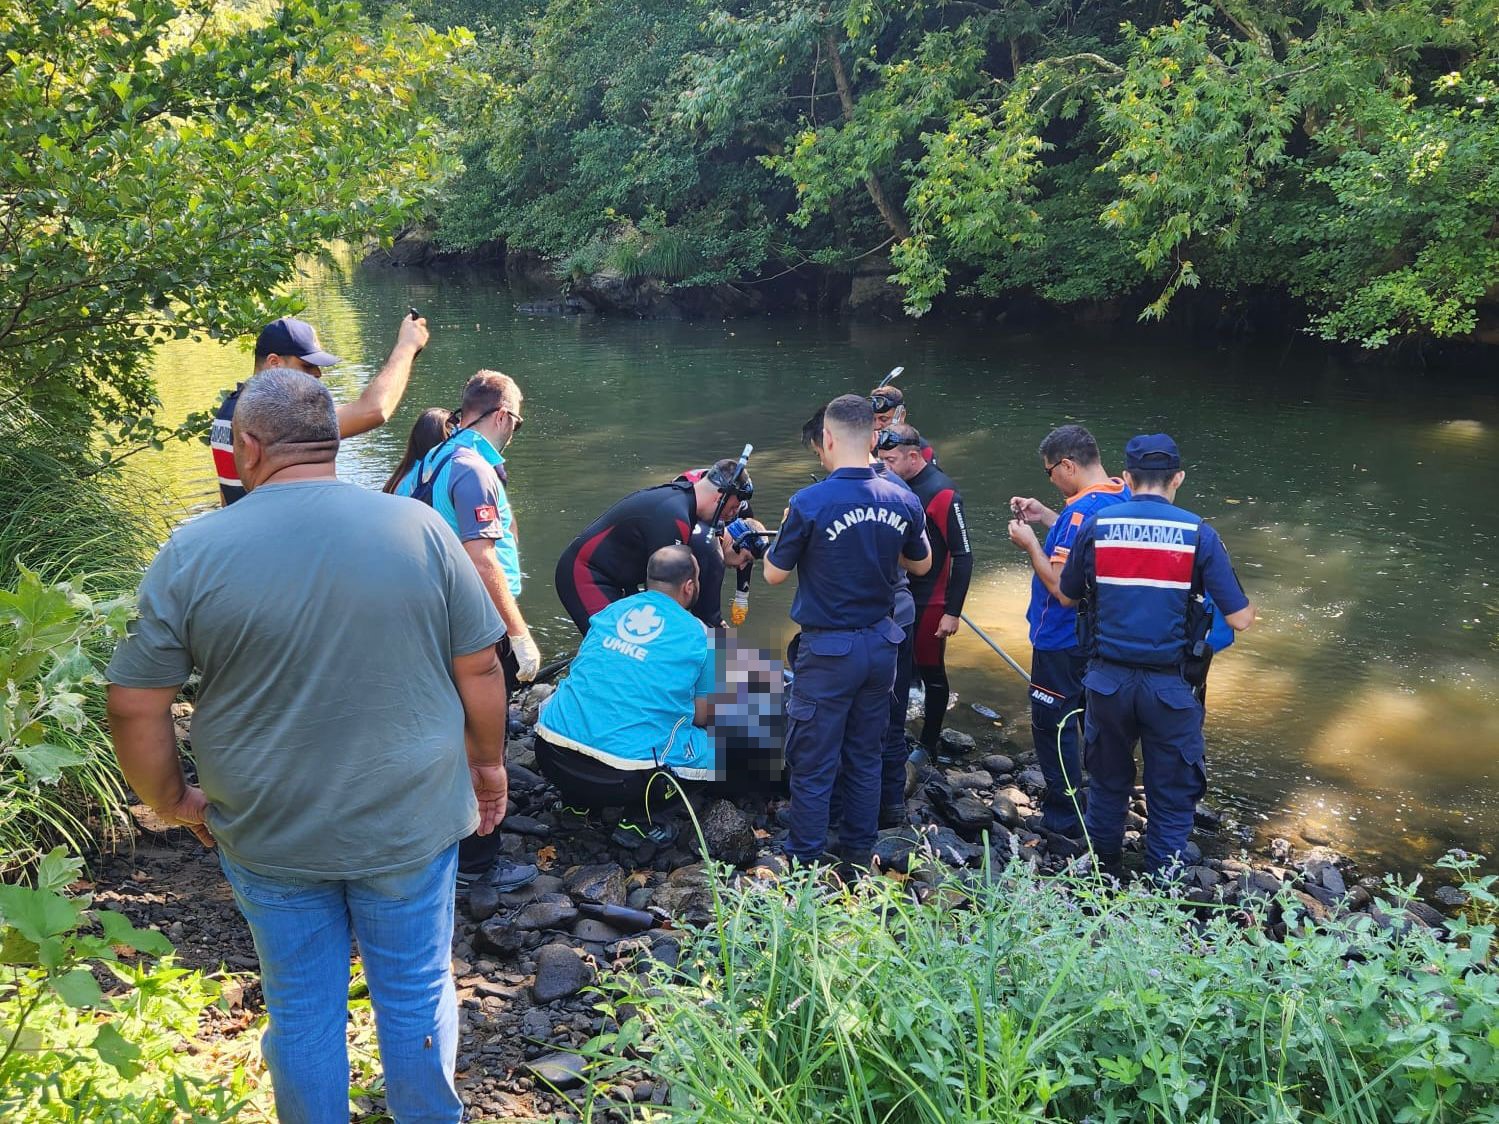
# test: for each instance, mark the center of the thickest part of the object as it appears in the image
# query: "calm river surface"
(1359, 507)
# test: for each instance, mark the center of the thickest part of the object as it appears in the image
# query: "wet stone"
(1450, 897)
(1207, 818)
(969, 815)
(956, 742)
(560, 973)
(483, 901)
(596, 932)
(597, 882)
(554, 911)
(998, 764)
(563, 1071)
(525, 825)
(498, 935)
(1032, 778)
(960, 782)
(1005, 812)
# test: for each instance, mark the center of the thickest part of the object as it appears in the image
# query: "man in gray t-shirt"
(350, 709)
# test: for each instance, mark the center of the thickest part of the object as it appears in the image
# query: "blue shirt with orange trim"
(1053, 626)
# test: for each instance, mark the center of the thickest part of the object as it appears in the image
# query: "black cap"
(1152, 452)
(290, 336)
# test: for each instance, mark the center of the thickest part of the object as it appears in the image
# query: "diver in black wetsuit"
(608, 560)
(940, 591)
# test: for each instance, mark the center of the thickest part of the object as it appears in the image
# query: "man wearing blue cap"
(1141, 567)
(289, 342)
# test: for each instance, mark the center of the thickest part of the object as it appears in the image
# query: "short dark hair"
(672, 566)
(1069, 442)
(812, 428)
(1151, 479)
(849, 412)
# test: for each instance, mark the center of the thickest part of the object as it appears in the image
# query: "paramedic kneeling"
(1141, 566)
(635, 703)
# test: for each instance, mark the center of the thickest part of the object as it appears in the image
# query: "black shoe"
(632, 834)
(893, 815)
(502, 874)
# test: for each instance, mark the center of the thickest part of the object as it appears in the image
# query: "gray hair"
(282, 406)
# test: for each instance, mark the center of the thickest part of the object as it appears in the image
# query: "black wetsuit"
(711, 567)
(941, 590)
(607, 561)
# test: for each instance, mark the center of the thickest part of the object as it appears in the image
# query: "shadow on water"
(1356, 504)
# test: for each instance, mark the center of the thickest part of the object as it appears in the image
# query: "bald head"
(672, 570)
(283, 419)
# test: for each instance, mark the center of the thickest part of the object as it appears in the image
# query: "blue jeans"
(404, 926)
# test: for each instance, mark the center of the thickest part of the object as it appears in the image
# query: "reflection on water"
(1357, 505)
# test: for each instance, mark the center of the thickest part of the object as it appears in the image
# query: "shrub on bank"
(68, 1052)
(58, 778)
(1026, 998)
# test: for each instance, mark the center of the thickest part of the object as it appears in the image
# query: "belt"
(1142, 666)
(853, 628)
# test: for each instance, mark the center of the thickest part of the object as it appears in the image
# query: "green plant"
(98, 531)
(1006, 996)
(58, 779)
(167, 161)
(68, 1051)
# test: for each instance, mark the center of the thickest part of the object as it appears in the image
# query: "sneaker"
(503, 875)
(631, 833)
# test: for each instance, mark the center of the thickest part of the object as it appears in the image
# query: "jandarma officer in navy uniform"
(847, 538)
(1140, 567)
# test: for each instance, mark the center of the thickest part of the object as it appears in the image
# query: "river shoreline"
(524, 961)
(865, 293)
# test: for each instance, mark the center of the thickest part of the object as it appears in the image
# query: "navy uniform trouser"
(1056, 694)
(893, 759)
(836, 719)
(1159, 710)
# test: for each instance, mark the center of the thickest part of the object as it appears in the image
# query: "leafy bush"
(68, 1052)
(58, 778)
(1023, 998)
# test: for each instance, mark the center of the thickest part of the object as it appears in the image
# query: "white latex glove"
(527, 656)
(739, 611)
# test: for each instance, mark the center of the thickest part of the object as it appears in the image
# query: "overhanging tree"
(165, 163)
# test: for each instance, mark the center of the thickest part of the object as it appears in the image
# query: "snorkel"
(727, 488)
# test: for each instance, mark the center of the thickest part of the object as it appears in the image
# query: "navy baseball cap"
(290, 336)
(1151, 451)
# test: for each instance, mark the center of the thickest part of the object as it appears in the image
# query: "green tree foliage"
(167, 160)
(1341, 152)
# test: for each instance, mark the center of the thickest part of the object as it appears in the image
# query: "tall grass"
(62, 523)
(1014, 997)
(94, 533)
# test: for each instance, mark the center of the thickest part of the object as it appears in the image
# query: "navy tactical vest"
(1144, 562)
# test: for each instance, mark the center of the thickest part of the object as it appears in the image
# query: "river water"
(1358, 505)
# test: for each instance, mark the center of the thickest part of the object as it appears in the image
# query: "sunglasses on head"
(889, 439)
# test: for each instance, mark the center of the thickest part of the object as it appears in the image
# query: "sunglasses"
(1056, 466)
(519, 421)
(888, 439)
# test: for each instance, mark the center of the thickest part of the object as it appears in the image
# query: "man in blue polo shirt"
(635, 703)
(1143, 566)
(846, 537)
(1069, 455)
(460, 478)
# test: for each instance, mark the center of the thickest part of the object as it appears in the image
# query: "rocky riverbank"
(525, 961)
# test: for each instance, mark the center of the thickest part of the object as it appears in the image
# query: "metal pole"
(1000, 652)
